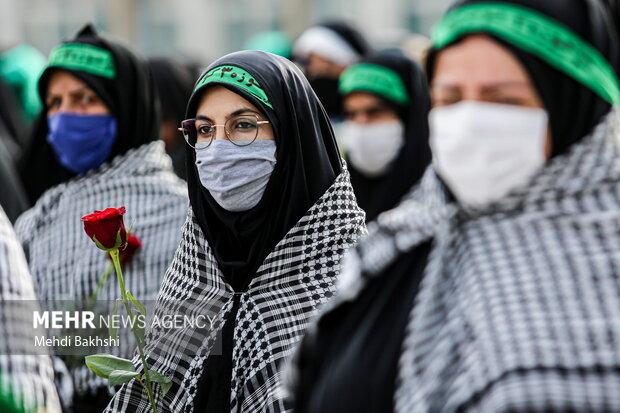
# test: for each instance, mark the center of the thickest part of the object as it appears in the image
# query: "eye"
(506, 97)
(244, 125)
(375, 112)
(445, 95)
(349, 115)
(204, 129)
(438, 102)
(53, 103)
(88, 99)
(507, 100)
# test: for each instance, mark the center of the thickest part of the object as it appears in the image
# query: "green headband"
(537, 34)
(84, 57)
(376, 79)
(237, 77)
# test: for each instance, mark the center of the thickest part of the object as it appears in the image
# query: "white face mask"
(236, 176)
(482, 151)
(371, 148)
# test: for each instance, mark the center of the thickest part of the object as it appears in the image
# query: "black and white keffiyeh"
(28, 375)
(296, 277)
(519, 307)
(65, 263)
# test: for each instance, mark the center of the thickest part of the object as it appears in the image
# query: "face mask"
(81, 142)
(236, 176)
(482, 151)
(371, 148)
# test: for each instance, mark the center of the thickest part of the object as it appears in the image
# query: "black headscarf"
(174, 82)
(13, 124)
(573, 108)
(130, 96)
(375, 195)
(12, 195)
(307, 164)
(327, 88)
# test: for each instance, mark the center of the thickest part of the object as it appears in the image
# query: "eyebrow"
(238, 112)
(486, 87)
(493, 88)
(72, 93)
(377, 107)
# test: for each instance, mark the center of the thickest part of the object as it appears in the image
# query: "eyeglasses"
(240, 130)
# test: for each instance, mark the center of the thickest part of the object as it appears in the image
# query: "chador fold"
(27, 372)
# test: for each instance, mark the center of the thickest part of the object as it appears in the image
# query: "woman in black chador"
(272, 213)
(385, 136)
(95, 146)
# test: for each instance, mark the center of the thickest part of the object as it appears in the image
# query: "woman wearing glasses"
(94, 147)
(272, 213)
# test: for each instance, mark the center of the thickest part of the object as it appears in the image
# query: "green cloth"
(537, 34)
(368, 77)
(9, 403)
(84, 57)
(20, 68)
(237, 77)
(275, 42)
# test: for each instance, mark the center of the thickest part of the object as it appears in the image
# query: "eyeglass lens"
(240, 130)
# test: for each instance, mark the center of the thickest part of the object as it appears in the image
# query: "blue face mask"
(81, 142)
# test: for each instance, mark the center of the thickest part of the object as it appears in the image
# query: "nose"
(220, 132)
(361, 117)
(65, 106)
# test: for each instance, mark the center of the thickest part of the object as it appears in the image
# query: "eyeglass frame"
(226, 131)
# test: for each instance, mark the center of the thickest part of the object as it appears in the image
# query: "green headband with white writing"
(367, 77)
(237, 77)
(83, 57)
(538, 35)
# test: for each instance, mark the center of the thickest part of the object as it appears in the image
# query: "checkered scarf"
(519, 307)
(64, 262)
(295, 278)
(27, 375)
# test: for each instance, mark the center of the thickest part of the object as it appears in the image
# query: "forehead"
(361, 100)
(218, 99)
(62, 81)
(478, 60)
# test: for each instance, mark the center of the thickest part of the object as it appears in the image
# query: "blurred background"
(182, 37)
(203, 30)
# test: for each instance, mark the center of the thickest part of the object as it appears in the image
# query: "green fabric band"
(537, 34)
(237, 77)
(367, 77)
(83, 57)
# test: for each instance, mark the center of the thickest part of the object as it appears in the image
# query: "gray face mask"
(236, 176)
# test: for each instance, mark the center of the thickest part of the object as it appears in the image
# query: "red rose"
(133, 245)
(106, 228)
